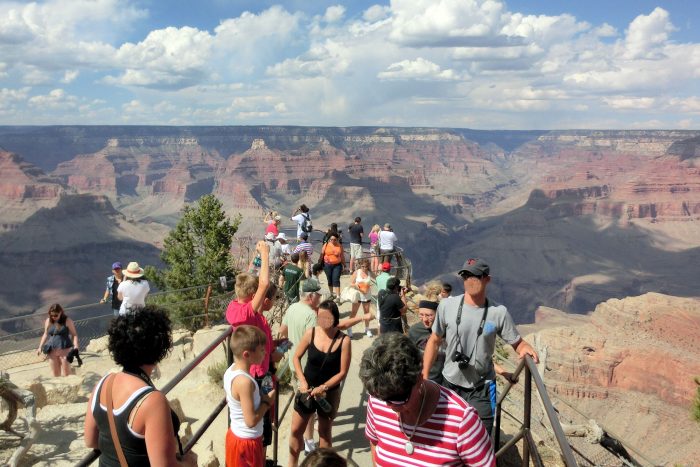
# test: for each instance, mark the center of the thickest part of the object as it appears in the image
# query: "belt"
(478, 387)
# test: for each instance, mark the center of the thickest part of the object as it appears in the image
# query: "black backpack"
(306, 225)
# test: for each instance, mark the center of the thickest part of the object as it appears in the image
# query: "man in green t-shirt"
(383, 276)
(292, 275)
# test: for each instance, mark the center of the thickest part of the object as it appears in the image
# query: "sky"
(483, 64)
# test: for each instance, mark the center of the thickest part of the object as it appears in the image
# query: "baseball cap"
(116, 265)
(386, 267)
(304, 236)
(311, 285)
(475, 266)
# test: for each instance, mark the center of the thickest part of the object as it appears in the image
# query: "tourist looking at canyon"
(111, 287)
(273, 223)
(357, 232)
(414, 421)
(470, 324)
(374, 247)
(145, 427)
(387, 243)
(328, 361)
(303, 219)
(58, 339)
(133, 290)
(392, 306)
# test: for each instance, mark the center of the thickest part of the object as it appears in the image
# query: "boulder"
(63, 390)
(98, 346)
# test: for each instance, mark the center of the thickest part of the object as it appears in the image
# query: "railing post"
(206, 306)
(527, 402)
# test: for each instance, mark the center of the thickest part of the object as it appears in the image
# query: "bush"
(216, 372)
(696, 401)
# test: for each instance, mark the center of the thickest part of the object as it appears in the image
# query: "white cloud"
(69, 76)
(419, 69)
(647, 34)
(9, 97)
(55, 99)
(376, 13)
(630, 103)
(334, 13)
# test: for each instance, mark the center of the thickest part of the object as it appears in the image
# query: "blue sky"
(486, 64)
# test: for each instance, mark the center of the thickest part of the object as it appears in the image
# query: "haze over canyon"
(566, 219)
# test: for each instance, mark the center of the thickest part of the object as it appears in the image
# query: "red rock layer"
(20, 180)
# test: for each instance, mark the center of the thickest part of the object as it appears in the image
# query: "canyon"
(589, 214)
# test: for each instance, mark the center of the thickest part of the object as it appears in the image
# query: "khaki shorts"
(355, 250)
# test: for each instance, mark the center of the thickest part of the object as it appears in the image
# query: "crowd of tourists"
(431, 387)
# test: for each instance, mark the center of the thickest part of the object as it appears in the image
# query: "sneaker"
(368, 333)
(349, 332)
(309, 446)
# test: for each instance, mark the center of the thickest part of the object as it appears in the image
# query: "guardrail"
(529, 450)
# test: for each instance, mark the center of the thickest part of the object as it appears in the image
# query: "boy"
(247, 406)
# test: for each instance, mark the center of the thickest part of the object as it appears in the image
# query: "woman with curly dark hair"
(415, 421)
(58, 339)
(125, 407)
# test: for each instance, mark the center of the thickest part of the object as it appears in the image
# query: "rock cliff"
(638, 354)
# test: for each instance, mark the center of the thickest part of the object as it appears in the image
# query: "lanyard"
(478, 332)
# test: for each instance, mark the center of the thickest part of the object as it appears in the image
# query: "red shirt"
(272, 227)
(243, 313)
(453, 435)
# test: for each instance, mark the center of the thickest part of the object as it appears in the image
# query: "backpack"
(306, 225)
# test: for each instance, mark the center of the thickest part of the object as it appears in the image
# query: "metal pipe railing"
(529, 446)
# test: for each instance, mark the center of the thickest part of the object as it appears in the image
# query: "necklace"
(139, 373)
(409, 445)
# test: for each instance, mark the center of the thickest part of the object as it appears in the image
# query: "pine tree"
(196, 252)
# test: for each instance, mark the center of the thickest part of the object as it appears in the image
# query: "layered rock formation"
(630, 364)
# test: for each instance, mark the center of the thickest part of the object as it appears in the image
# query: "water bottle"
(257, 261)
(284, 346)
(324, 404)
(267, 384)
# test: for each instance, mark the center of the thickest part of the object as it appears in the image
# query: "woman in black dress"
(58, 339)
(319, 383)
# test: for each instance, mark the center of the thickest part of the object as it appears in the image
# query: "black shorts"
(333, 398)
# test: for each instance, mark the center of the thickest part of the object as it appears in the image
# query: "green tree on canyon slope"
(196, 252)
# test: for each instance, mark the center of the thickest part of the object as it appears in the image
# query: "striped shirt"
(453, 435)
(304, 246)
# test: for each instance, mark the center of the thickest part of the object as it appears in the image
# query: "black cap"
(475, 266)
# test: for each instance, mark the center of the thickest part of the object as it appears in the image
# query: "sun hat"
(116, 265)
(278, 218)
(133, 270)
(282, 236)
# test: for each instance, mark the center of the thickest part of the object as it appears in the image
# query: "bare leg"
(353, 309)
(309, 433)
(296, 443)
(65, 366)
(325, 426)
(365, 308)
(55, 364)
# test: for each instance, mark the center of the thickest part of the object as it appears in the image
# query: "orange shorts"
(244, 452)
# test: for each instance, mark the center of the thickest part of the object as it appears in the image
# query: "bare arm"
(91, 432)
(244, 388)
(283, 331)
(264, 279)
(430, 353)
(158, 430)
(301, 350)
(44, 336)
(73, 332)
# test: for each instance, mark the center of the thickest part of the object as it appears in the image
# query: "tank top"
(237, 425)
(317, 372)
(363, 284)
(373, 238)
(133, 444)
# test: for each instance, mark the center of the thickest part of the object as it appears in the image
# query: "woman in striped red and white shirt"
(416, 422)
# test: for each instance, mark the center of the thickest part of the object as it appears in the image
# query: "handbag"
(350, 294)
(45, 349)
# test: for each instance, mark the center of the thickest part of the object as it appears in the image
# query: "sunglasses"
(400, 400)
(467, 275)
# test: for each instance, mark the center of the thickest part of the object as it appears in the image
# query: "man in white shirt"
(301, 215)
(387, 244)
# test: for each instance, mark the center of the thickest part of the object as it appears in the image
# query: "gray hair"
(303, 296)
(390, 366)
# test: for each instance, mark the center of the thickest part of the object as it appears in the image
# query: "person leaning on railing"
(142, 429)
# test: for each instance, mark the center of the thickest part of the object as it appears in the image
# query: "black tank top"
(314, 374)
(134, 447)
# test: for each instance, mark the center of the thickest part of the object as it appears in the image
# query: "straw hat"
(133, 271)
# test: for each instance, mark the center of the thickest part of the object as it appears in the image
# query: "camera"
(461, 359)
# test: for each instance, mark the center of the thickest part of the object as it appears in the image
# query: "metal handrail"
(531, 374)
(95, 453)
